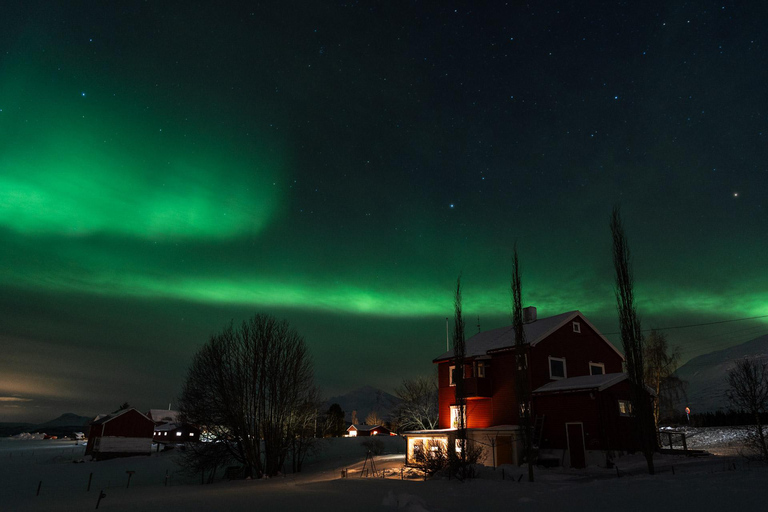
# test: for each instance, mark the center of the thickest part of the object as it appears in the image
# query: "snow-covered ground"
(681, 483)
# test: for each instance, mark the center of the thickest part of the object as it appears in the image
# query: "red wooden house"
(577, 389)
(367, 430)
(121, 434)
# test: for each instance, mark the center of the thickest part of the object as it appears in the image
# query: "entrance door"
(575, 434)
(504, 450)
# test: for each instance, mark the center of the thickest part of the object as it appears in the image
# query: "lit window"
(625, 408)
(178, 434)
(576, 327)
(165, 433)
(596, 368)
(455, 416)
(557, 368)
(191, 434)
(480, 369)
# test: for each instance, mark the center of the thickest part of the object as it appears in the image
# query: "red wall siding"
(578, 349)
(604, 427)
(446, 395)
(130, 424)
(504, 405)
(479, 413)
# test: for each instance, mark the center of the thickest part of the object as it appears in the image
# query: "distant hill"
(365, 400)
(64, 425)
(706, 375)
(65, 420)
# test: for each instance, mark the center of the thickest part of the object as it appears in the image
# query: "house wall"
(505, 408)
(604, 427)
(578, 349)
(131, 424)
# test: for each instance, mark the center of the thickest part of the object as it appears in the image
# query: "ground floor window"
(625, 408)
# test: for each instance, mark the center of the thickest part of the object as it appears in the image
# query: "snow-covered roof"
(365, 428)
(101, 419)
(598, 382)
(166, 427)
(504, 337)
(163, 415)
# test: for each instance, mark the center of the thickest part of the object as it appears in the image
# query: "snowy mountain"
(365, 400)
(706, 374)
(64, 421)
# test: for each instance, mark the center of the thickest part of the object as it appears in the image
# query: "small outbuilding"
(124, 433)
(368, 430)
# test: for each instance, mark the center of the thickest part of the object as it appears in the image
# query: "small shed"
(584, 419)
(121, 434)
(368, 430)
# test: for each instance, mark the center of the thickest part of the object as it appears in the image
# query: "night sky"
(166, 168)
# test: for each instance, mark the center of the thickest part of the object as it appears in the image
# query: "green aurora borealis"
(166, 169)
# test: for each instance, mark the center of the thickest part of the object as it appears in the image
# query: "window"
(576, 327)
(455, 416)
(479, 369)
(625, 408)
(191, 434)
(557, 368)
(452, 375)
(178, 434)
(596, 368)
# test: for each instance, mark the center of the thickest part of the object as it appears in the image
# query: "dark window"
(596, 369)
(556, 368)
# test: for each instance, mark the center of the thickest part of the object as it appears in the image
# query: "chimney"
(529, 315)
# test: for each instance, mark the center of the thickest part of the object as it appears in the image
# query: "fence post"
(90, 477)
(38, 488)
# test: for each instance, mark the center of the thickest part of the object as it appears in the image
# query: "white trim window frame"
(455, 415)
(596, 365)
(576, 327)
(565, 371)
(451, 374)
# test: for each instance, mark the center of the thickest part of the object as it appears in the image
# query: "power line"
(695, 325)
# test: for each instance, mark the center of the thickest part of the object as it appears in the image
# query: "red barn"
(121, 434)
(559, 349)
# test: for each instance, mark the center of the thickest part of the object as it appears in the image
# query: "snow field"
(700, 484)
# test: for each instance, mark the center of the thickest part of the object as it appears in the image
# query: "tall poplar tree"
(459, 355)
(632, 339)
(522, 382)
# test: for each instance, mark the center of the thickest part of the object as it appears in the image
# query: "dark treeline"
(717, 419)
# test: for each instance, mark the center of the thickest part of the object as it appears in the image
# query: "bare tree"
(334, 424)
(247, 388)
(522, 382)
(373, 418)
(748, 382)
(660, 366)
(418, 408)
(632, 339)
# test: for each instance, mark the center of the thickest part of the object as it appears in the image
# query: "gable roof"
(585, 382)
(366, 428)
(100, 420)
(163, 415)
(503, 338)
